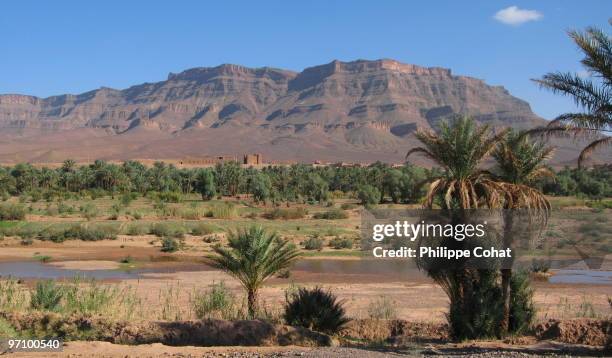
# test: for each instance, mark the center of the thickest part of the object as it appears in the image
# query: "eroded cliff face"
(373, 105)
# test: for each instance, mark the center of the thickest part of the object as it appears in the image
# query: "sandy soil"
(87, 265)
(414, 296)
(472, 349)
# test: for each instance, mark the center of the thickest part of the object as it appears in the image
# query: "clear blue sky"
(55, 47)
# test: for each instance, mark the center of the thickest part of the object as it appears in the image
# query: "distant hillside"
(352, 111)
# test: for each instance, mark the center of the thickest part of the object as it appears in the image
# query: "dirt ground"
(475, 350)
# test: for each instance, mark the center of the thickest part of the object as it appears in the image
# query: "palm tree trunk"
(252, 303)
(506, 273)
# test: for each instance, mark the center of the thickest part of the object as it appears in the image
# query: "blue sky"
(55, 47)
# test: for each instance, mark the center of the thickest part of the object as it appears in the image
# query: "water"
(593, 277)
(390, 269)
(37, 270)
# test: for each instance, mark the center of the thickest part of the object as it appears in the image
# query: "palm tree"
(254, 256)
(519, 163)
(593, 94)
(459, 149)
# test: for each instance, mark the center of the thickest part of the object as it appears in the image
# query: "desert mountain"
(357, 111)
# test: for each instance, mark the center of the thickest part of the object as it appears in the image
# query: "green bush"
(89, 211)
(201, 229)
(137, 229)
(368, 195)
(217, 302)
(47, 296)
(222, 211)
(522, 308)
(315, 309)
(341, 243)
(334, 214)
(313, 243)
(12, 211)
(348, 206)
(166, 229)
(286, 214)
(169, 245)
(170, 196)
(94, 233)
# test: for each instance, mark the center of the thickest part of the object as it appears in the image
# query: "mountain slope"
(353, 111)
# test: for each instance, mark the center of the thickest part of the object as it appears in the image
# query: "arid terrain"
(360, 111)
(158, 286)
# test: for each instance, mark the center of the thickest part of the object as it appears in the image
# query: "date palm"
(519, 163)
(592, 94)
(252, 257)
(459, 149)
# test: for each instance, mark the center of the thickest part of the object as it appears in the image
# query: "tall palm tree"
(254, 256)
(593, 94)
(459, 149)
(519, 163)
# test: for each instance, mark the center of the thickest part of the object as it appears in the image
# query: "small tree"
(206, 184)
(261, 187)
(254, 256)
(368, 195)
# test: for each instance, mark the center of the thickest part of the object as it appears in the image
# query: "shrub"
(43, 258)
(522, 308)
(368, 195)
(334, 214)
(165, 229)
(348, 206)
(170, 196)
(96, 233)
(12, 211)
(315, 309)
(286, 214)
(190, 214)
(169, 245)
(27, 242)
(27, 231)
(540, 266)
(127, 260)
(382, 308)
(313, 243)
(217, 302)
(47, 296)
(222, 211)
(137, 230)
(89, 211)
(12, 296)
(341, 243)
(201, 229)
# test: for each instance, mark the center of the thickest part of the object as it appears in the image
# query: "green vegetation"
(315, 309)
(217, 302)
(11, 211)
(252, 257)
(313, 243)
(335, 214)
(286, 214)
(593, 93)
(169, 245)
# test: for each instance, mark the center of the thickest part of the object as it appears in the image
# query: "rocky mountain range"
(358, 111)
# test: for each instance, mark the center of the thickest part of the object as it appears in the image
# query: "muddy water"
(366, 270)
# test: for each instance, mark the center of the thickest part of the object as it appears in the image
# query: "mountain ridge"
(353, 111)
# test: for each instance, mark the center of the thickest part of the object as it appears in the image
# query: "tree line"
(376, 183)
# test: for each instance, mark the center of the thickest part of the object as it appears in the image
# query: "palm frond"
(589, 149)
